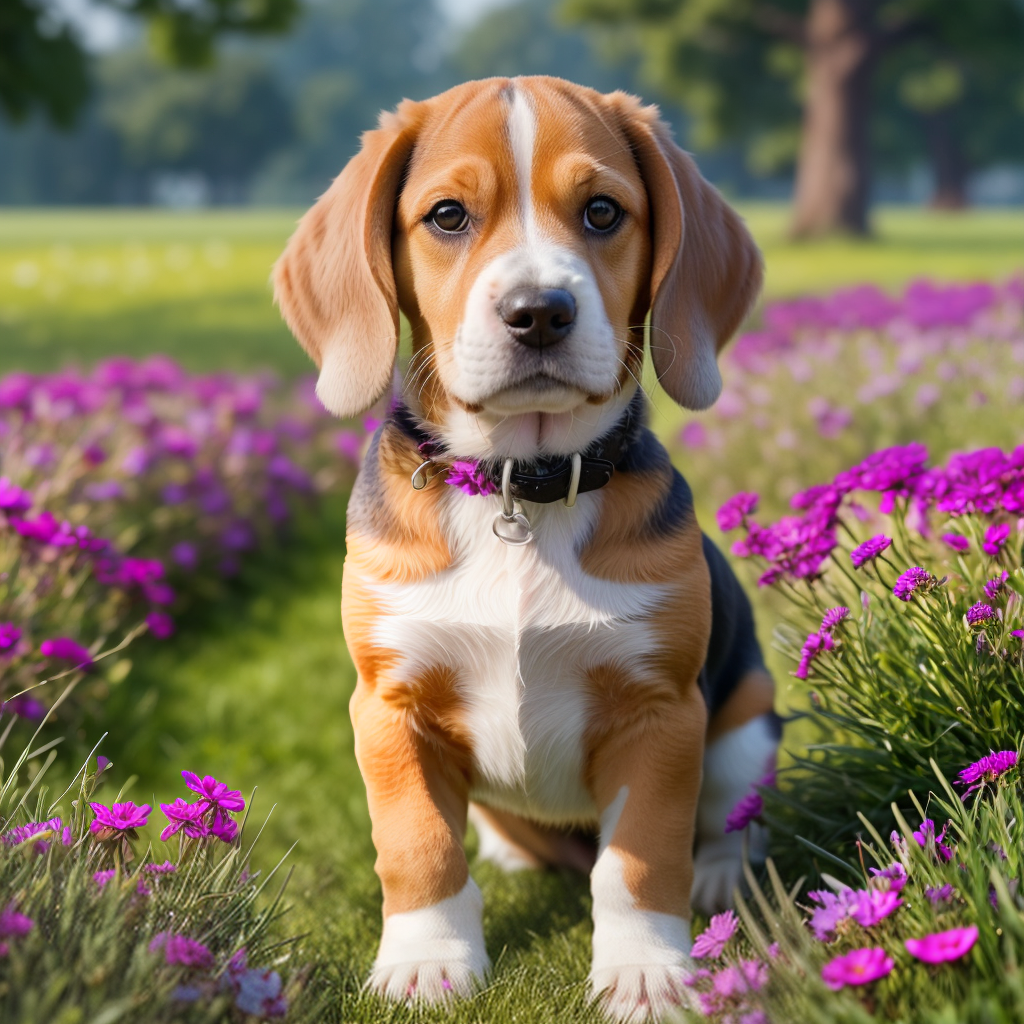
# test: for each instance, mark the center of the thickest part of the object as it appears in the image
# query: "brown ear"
(706, 270)
(334, 281)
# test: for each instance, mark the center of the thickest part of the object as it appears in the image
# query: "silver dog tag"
(514, 529)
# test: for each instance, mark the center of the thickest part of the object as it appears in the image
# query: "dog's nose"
(538, 317)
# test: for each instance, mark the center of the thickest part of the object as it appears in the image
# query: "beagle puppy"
(545, 641)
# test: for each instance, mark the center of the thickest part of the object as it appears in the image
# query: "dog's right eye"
(449, 216)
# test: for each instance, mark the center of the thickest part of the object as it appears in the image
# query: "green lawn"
(254, 688)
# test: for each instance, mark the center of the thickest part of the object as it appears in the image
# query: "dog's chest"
(521, 628)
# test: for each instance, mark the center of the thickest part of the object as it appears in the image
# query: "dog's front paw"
(718, 868)
(433, 953)
(632, 993)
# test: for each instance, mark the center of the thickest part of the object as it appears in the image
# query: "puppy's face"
(525, 227)
(522, 254)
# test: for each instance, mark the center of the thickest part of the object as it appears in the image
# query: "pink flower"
(940, 894)
(735, 511)
(869, 550)
(13, 500)
(995, 585)
(750, 807)
(160, 624)
(895, 875)
(216, 794)
(25, 707)
(956, 541)
(14, 925)
(67, 649)
(872, 905)
(470, 478)
(833, 617)
(167, 868)
(943, 946)
(995, 538)
(10, 634)
(183, 815)
(710, 943)
(834, 909)
(859, 967)
(979, 613)
(988, 768)
(224, 827)
(815, 645)
(102, 877)
(912, 580)
(182, 951)
(119, 819)
(47, 829)
(926, 834)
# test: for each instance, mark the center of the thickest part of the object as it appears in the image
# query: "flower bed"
(906, 587)
(827, 380)
(125, 490)
(96, 922)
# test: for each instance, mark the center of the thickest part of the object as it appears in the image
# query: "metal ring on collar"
(507, 504)
(574, 480)
(421, 477)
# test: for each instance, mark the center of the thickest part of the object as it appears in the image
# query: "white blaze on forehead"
(522, 132)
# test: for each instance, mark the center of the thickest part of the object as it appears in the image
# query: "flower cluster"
(123, 488)
(207, 817)
(823, 376)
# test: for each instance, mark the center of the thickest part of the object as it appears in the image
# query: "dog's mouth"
(539, 392)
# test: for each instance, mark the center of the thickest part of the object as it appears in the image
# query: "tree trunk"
(948, 163)
(832, 180)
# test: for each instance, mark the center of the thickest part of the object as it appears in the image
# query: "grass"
(254, 689)
(76, 285)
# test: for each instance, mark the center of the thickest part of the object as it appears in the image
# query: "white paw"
(642, 993)
(435, 953)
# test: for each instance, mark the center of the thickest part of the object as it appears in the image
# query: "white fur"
(421, 949)
(732, 764)
(521, 627)
(496, 849)
(640, 957)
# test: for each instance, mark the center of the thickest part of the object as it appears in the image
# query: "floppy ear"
(706, 270)
(334, 281)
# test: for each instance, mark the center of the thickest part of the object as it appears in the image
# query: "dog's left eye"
(602, 214)
(449, 216)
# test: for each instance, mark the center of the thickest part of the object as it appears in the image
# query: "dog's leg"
(433, 944)
(742, 740)
(514, 843)
(646, 777)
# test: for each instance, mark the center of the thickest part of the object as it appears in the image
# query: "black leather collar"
(547, 479)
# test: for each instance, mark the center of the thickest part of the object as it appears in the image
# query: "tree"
(44, 65)
(802, 74)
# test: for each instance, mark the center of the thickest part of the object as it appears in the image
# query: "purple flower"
(926, 834)
(942, 894)
(979, 613)
(160, 624)
(859, 967)
(102, 764)
(224, 827)
(941, 947)
(182, 951)
(10, 634)
(735, 511)
(25, 707)
(216, 794)
(869, 550)
(710, 943)
(833, 617)
(23, 833)
(167, 868)
(119, 819)
(895, 875)
(956, 541)
(872, 905)
(66, 649)
(995, 585)
(13, 500)
(834, 908)
(259, 993)
(912, 580)
(470, 478)
(103, 490)
(182, 815)
(988, 768)
(14, 925)
(747, 810)
(185, 554)
(814, 645)
(995, 538)
(102, 877)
